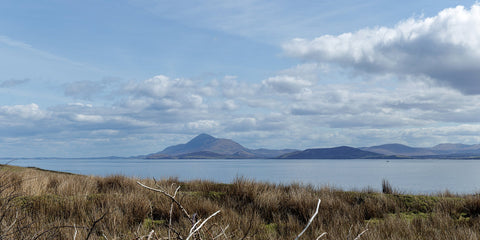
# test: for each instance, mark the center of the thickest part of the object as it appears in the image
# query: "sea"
(410, 176)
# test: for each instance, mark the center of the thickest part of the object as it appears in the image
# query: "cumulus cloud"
(445, 48)
(165, 94)
(160, 86)
(286, 84)
(30, 111)
(229, 105)
(242, 124)
(203, 125)
(232, 88)
(293, 110)
(88, 118)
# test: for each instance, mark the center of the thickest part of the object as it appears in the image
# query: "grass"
(38, 204)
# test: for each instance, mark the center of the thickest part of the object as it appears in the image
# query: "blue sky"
(100, 78)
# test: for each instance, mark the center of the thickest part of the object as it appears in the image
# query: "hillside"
(444, 150)
(343, 152)
(205, 143)
(399, 149)
(207, 146)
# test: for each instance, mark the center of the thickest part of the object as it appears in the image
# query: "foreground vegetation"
(39, 204)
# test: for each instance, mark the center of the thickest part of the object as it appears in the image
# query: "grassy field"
(39, 204)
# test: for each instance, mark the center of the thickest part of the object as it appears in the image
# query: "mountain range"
(444, 150)
(205, 146)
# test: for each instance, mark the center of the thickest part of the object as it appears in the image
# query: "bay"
(418, 176)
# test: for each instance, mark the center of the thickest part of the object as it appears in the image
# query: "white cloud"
(30, 111)
(82, 105)
(159, 86)
(242, 124)
(229, 105)
(203, 125)
(88, 118)
(164, 94)
(232, 88)
(286, 84)
(105, 132)
(445, 48)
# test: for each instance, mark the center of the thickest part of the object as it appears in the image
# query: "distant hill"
(268, 153)
(206, 143)
(444, 150)
(201, 155)
(343, 152)
(398, 149)
(456, 148)
(207, 146)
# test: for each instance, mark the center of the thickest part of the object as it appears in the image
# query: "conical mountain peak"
(207, 146)
(201, 139)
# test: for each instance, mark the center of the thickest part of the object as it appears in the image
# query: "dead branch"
(168, 195)
(359, 235)
(310, 221)
(321, 235)
(171, 213)
(93, 225)
(194, 229)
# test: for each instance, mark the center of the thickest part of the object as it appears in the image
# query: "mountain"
(207, 146)
(444, 150)
(206, 143)
(456, 148)
(343, 152)
(268, 153)
(399, 149)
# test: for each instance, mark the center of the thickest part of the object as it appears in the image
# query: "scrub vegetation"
(39, 204)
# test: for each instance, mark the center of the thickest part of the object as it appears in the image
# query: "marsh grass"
(52, 205)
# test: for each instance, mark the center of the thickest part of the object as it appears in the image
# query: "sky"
(130, 77)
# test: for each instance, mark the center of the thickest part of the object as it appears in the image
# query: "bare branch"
(310, 221)
(359, 235)
(171, 212)
(93, 225)
(223, 232)
(321, 235)
(151, 234)
(201, 225)
(168, 195)
(75, 234)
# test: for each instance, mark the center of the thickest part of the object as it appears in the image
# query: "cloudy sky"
(130, 77)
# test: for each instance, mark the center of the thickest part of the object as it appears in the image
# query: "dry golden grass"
(40, 204)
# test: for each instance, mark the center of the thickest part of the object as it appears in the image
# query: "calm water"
(411, 176)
